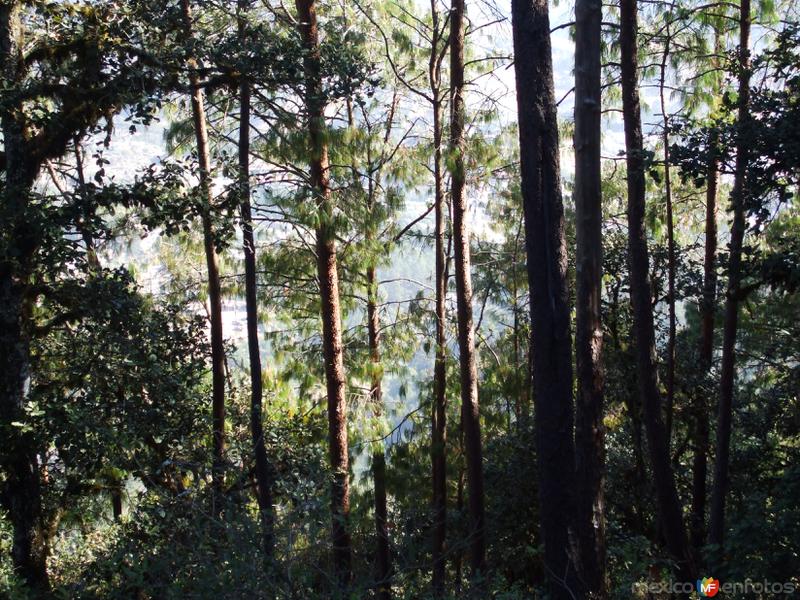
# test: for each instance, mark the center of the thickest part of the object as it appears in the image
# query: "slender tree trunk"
(589, 430)
(707, 303)
(669, 507)
(384, 566)
(707, 311)
(672, 327)
(91, 252)
(730, 325)
(466, 334)
(21, 490)
(459, 552)
(383, 573)
(709, 264)
(327, 272)
(439, 408)
(212, 266)
(551, 344)
(263, 468)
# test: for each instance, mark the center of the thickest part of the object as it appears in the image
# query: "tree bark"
(731, 320)
(383, 558)
(551, 344)
(669, 506)
(263, 468)
(672, 321)
(707, 311)
(707, 304)
(383, 563)
(21, 493)
(466, 334)
(439, 408)
(709, 264)
(212, 266)
(384, 566)
(327, 272)
(589, 429)
(116, 499)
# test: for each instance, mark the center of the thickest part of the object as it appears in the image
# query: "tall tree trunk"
(707, 311)
(589, 430)
(672, 327)
(383, 564)
(327, 272)
(707, 304)
(263, 468)
(730, 324)
(643, 327)
(551, 344)
(466, 334)
(212, 266)
(21, 490)
(709, 264)
(439, 408)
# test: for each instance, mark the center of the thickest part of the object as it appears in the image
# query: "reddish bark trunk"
(327, 273)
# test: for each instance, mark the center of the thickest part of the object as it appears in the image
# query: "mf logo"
(707, 587)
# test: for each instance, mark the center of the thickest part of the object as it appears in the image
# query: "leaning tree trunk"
(212, 266)
(21, 490)
(589, 430)
(439, 408)
(263, 468)
(466, 333)
(327, 272)
(640, 291)
(730, 325)
(551, 344)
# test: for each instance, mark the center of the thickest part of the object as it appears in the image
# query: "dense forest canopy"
(399, 299)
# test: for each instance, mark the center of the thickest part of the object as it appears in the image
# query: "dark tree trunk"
(730, 324)
(116, 499)
(263, 468)
(466, 333)
(707, 304)
(459, 553)
(551, 344)
(672, 327)
(327, 272)
(589, 430)
(21, 495)
(439, 408)
(21, 490)
(709, 264)
(212, 266)
(383, 563)
(669, 506)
